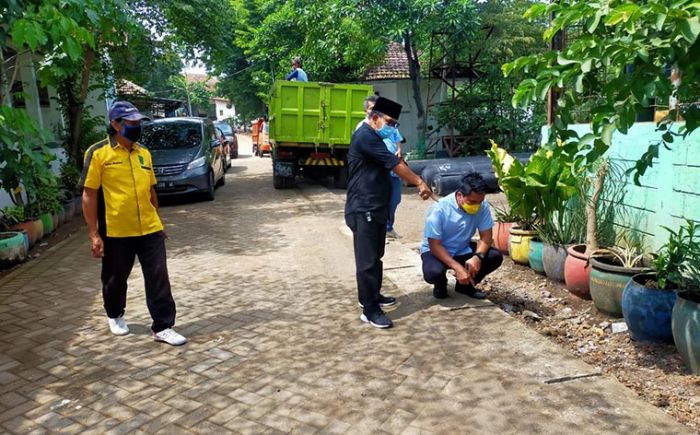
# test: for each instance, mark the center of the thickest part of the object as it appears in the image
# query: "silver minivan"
(187, 156)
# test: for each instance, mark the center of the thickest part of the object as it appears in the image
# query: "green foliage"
(676, 263)
(70, 176)
(22, 151)
(195, 92)
(483, 108)
(622, 55)
(10, 216)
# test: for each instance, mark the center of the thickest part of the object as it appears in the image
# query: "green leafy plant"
(70, 176)
(10, 216)
(621, 52)
(628, 253)
(676, 263)
(537, 190)
(505, 214)
(22, 151)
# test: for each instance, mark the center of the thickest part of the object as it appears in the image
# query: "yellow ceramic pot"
(519, 244)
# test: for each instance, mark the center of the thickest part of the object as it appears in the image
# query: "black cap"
(388, 107)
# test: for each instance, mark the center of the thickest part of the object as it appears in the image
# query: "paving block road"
(265, 291)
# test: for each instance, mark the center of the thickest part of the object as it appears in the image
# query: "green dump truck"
(310, 129)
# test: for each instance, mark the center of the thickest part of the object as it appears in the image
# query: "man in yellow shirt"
(121, 211)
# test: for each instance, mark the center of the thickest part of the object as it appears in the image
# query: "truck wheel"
(340, 178)
(278, 182)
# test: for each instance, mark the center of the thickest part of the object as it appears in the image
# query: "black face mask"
(131, 132)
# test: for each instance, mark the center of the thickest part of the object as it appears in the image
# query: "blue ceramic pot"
(647, 311)
(534, 256)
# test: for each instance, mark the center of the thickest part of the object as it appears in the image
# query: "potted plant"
(559, 229)
(521, 201)
(611, 270)
(15, 219)
(648, 298)
(505, 219)
(602, 188)
(534, 256)
(685, 317)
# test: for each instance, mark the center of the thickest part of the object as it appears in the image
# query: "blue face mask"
(131, 132)
(386, 131)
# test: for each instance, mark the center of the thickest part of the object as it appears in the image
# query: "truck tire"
(340, 178)
(280, 182)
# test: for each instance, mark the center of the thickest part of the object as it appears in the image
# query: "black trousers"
(118, 260)
(434, 270)
(368, 235)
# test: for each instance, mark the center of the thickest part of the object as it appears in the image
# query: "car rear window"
(225, 127)
(171, 135)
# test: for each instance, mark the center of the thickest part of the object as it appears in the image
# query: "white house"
(392, 80)
(223, 109)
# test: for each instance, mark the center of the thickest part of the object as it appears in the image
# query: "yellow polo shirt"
(126, 178)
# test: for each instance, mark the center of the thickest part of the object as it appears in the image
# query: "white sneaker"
(393, 234)
(169, 336)
(118, 326)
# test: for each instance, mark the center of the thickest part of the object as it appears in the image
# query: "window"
(44, 100)
(221, 112)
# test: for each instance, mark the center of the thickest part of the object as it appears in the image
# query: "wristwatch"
(480, 255)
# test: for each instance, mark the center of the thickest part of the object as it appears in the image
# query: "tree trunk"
(414, 73)
(75, 103)
(592, 208)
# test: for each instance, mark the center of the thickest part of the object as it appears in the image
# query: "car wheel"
(222, 180)
(209, 193)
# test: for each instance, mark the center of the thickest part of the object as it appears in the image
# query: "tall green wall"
(670, 189)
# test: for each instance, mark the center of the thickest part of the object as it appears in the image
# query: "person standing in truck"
(367, 204)
(121, 211)
(297, 73)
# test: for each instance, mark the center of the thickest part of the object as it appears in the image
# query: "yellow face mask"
(471, 208)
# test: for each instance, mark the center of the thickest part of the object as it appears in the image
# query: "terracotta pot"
(685, 323)
(647, 311)
(577, 271)
(501, 233)
(553, 258)
(535, 255)
(13, 247)
(607, 283)
(34, 229)
(519, 245)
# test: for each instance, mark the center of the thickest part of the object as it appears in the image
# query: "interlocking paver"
(265, 291)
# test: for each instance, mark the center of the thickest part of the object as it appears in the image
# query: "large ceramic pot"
(69, 210)
(34, 229)
(607, 283)
(647, 311)
(61, 216)
(553, 258)
(685, 324)
(13, 247)
(78, 203)
(501, 233)
(519, 244)
(577, 271)
(535, 255)
(55, 220)
(47, 222)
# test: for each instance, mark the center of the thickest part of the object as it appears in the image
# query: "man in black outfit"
(367, 205)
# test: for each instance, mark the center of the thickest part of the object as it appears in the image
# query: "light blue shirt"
(391, 145)
(454, 227)
(298, 74)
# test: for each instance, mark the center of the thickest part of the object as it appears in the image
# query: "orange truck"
(256, 133)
